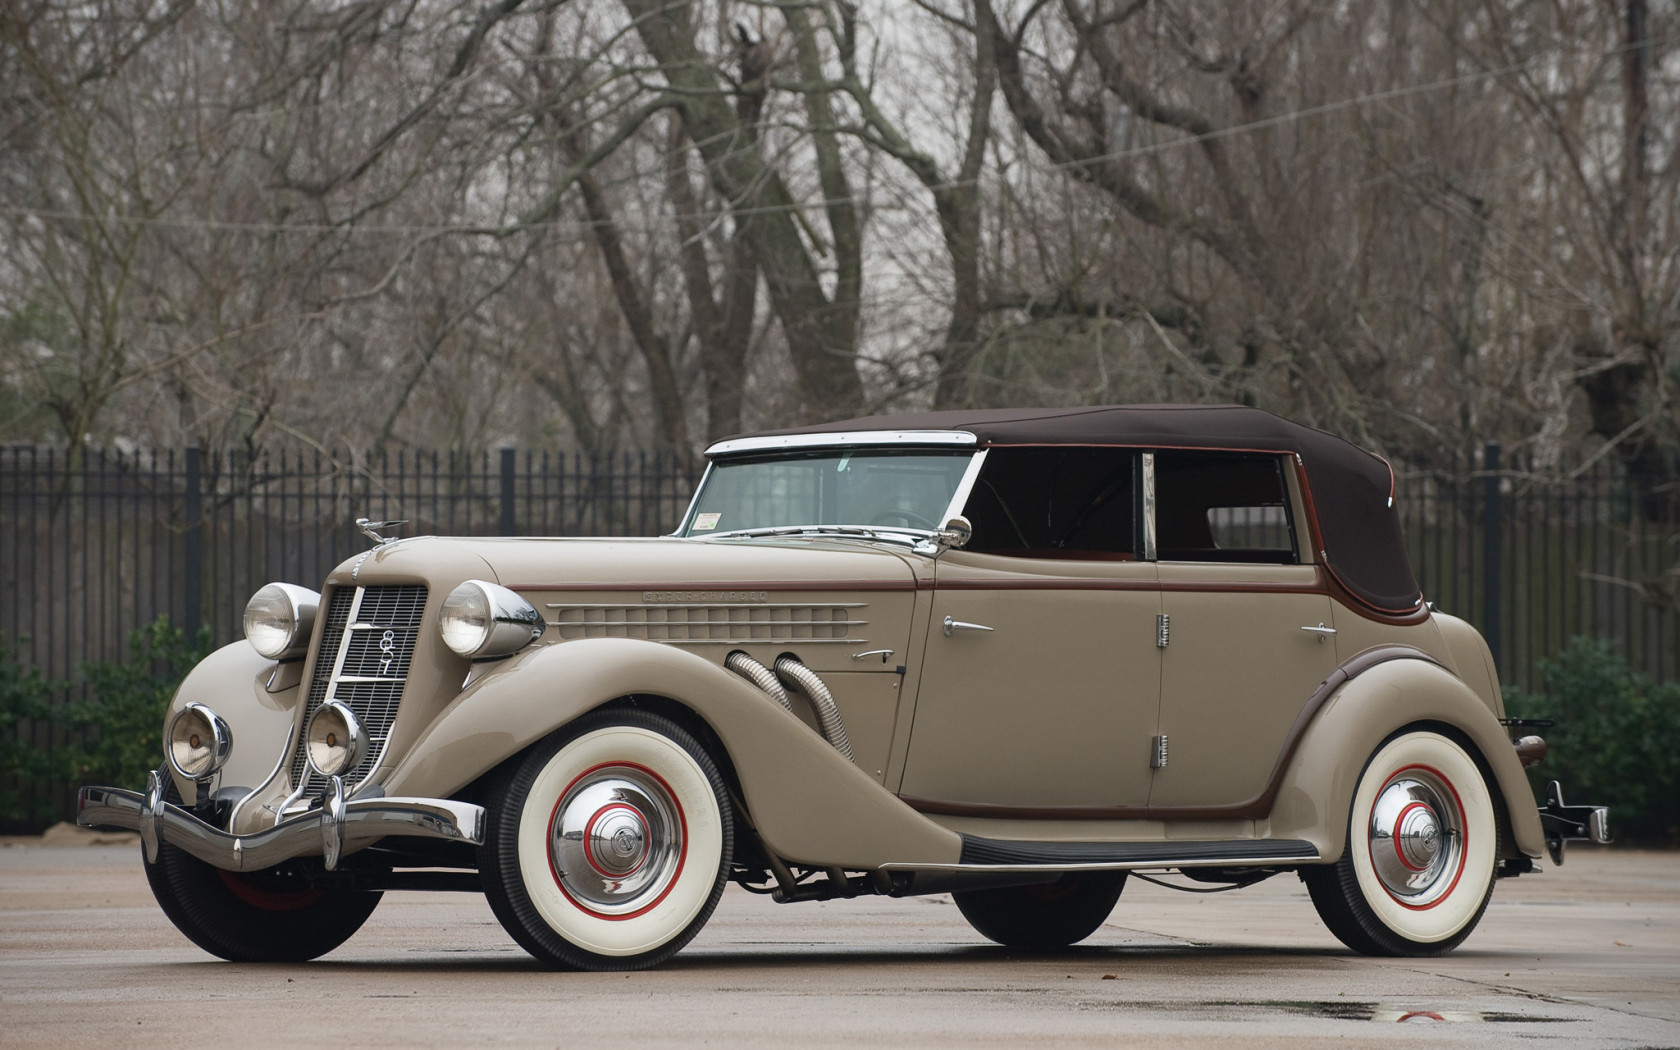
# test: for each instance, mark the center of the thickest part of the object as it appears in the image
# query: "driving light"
(199, 742)
(279, 619)
(481, 619)
(337, 741)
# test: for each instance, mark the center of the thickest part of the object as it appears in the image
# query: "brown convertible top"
(1352, 490)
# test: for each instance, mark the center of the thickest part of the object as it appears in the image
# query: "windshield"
(885, 488)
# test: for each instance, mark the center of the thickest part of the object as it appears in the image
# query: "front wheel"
(608, 843)
(1051, 915)
(253, 916)
(1417, 871)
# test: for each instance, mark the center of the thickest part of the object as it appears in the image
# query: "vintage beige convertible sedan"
(1006, 655)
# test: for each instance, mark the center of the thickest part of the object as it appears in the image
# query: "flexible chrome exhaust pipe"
(758, 675)
(805, 680)
(790, 670)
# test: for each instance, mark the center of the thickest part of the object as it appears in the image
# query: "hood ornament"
(371, 528)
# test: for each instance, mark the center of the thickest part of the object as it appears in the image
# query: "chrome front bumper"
(340, 826)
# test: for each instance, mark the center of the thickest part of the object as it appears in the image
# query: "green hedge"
(1616, 741)
(107, 726)
(25, 701)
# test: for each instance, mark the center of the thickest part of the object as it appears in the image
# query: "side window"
(1055, 502)
(1231, 507)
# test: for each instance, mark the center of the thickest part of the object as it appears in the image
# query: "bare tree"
(465, 223)
(821, 329)
(1596, 96)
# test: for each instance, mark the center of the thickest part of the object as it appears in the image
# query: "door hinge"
(1158, 752)
(1163, 624)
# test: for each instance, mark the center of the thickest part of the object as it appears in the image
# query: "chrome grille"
(366, 647)
(712, 623)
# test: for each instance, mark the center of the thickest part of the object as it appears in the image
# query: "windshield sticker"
(845, 460)
(706, 522)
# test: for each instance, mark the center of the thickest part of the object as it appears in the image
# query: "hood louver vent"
(712, 624)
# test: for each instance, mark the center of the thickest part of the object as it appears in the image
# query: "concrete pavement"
(1583, 956)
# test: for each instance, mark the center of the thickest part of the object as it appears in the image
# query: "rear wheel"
(608, 844)
(1051, 915)
(1417, 871)
(253, 916)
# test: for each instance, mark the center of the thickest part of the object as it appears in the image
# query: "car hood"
(531, 563)
(821, 600)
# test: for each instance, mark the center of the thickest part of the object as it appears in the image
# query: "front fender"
(1314, 798)
(808, 803)
(256, 697)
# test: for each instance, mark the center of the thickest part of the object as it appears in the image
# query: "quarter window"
(1224, 507)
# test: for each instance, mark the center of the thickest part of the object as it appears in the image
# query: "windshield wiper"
(907, 536)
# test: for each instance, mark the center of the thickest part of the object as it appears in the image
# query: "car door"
(1247, 625)
(1040, 679)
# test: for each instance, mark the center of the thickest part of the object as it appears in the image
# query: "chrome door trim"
(965, 487)
(1149, 549)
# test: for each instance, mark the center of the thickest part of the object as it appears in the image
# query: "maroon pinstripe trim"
(1144, 448)
(1317, 585)
(1046, 585)
(725, 585)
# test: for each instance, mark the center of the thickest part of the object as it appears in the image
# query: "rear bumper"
(338, 827)
(1563, 823)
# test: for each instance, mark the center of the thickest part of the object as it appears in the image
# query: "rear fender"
(1317, 789)
(808, 803)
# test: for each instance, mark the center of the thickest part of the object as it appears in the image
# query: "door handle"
(958, 625)
(1320, 630)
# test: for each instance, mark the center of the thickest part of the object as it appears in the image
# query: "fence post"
(1492, 550)
(194, 568)
(508, 523)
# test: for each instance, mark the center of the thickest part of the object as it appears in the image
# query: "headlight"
(279, 619)
(482, 619)
(337, 742)
(199, 742)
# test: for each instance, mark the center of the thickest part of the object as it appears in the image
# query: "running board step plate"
(984, 854)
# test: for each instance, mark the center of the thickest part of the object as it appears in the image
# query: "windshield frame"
(906, 441)
(848, 439)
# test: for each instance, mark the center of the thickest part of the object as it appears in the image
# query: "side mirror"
(956, 533)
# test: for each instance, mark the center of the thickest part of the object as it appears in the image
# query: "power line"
(1327, 108)
(583, 226)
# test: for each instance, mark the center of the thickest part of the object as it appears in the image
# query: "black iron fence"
(94, 544)
(1533, 560)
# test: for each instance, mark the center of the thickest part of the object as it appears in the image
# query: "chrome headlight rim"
(481, 620)
(335, 742)
(197, 742)
(279, 619)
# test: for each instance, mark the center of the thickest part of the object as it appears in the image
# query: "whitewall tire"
(1423, 842)
(609, 843)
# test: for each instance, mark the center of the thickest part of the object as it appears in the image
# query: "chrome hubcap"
(616, 840)
(1417, 837)
(615, 843)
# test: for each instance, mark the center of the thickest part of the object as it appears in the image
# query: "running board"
(983, 854)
